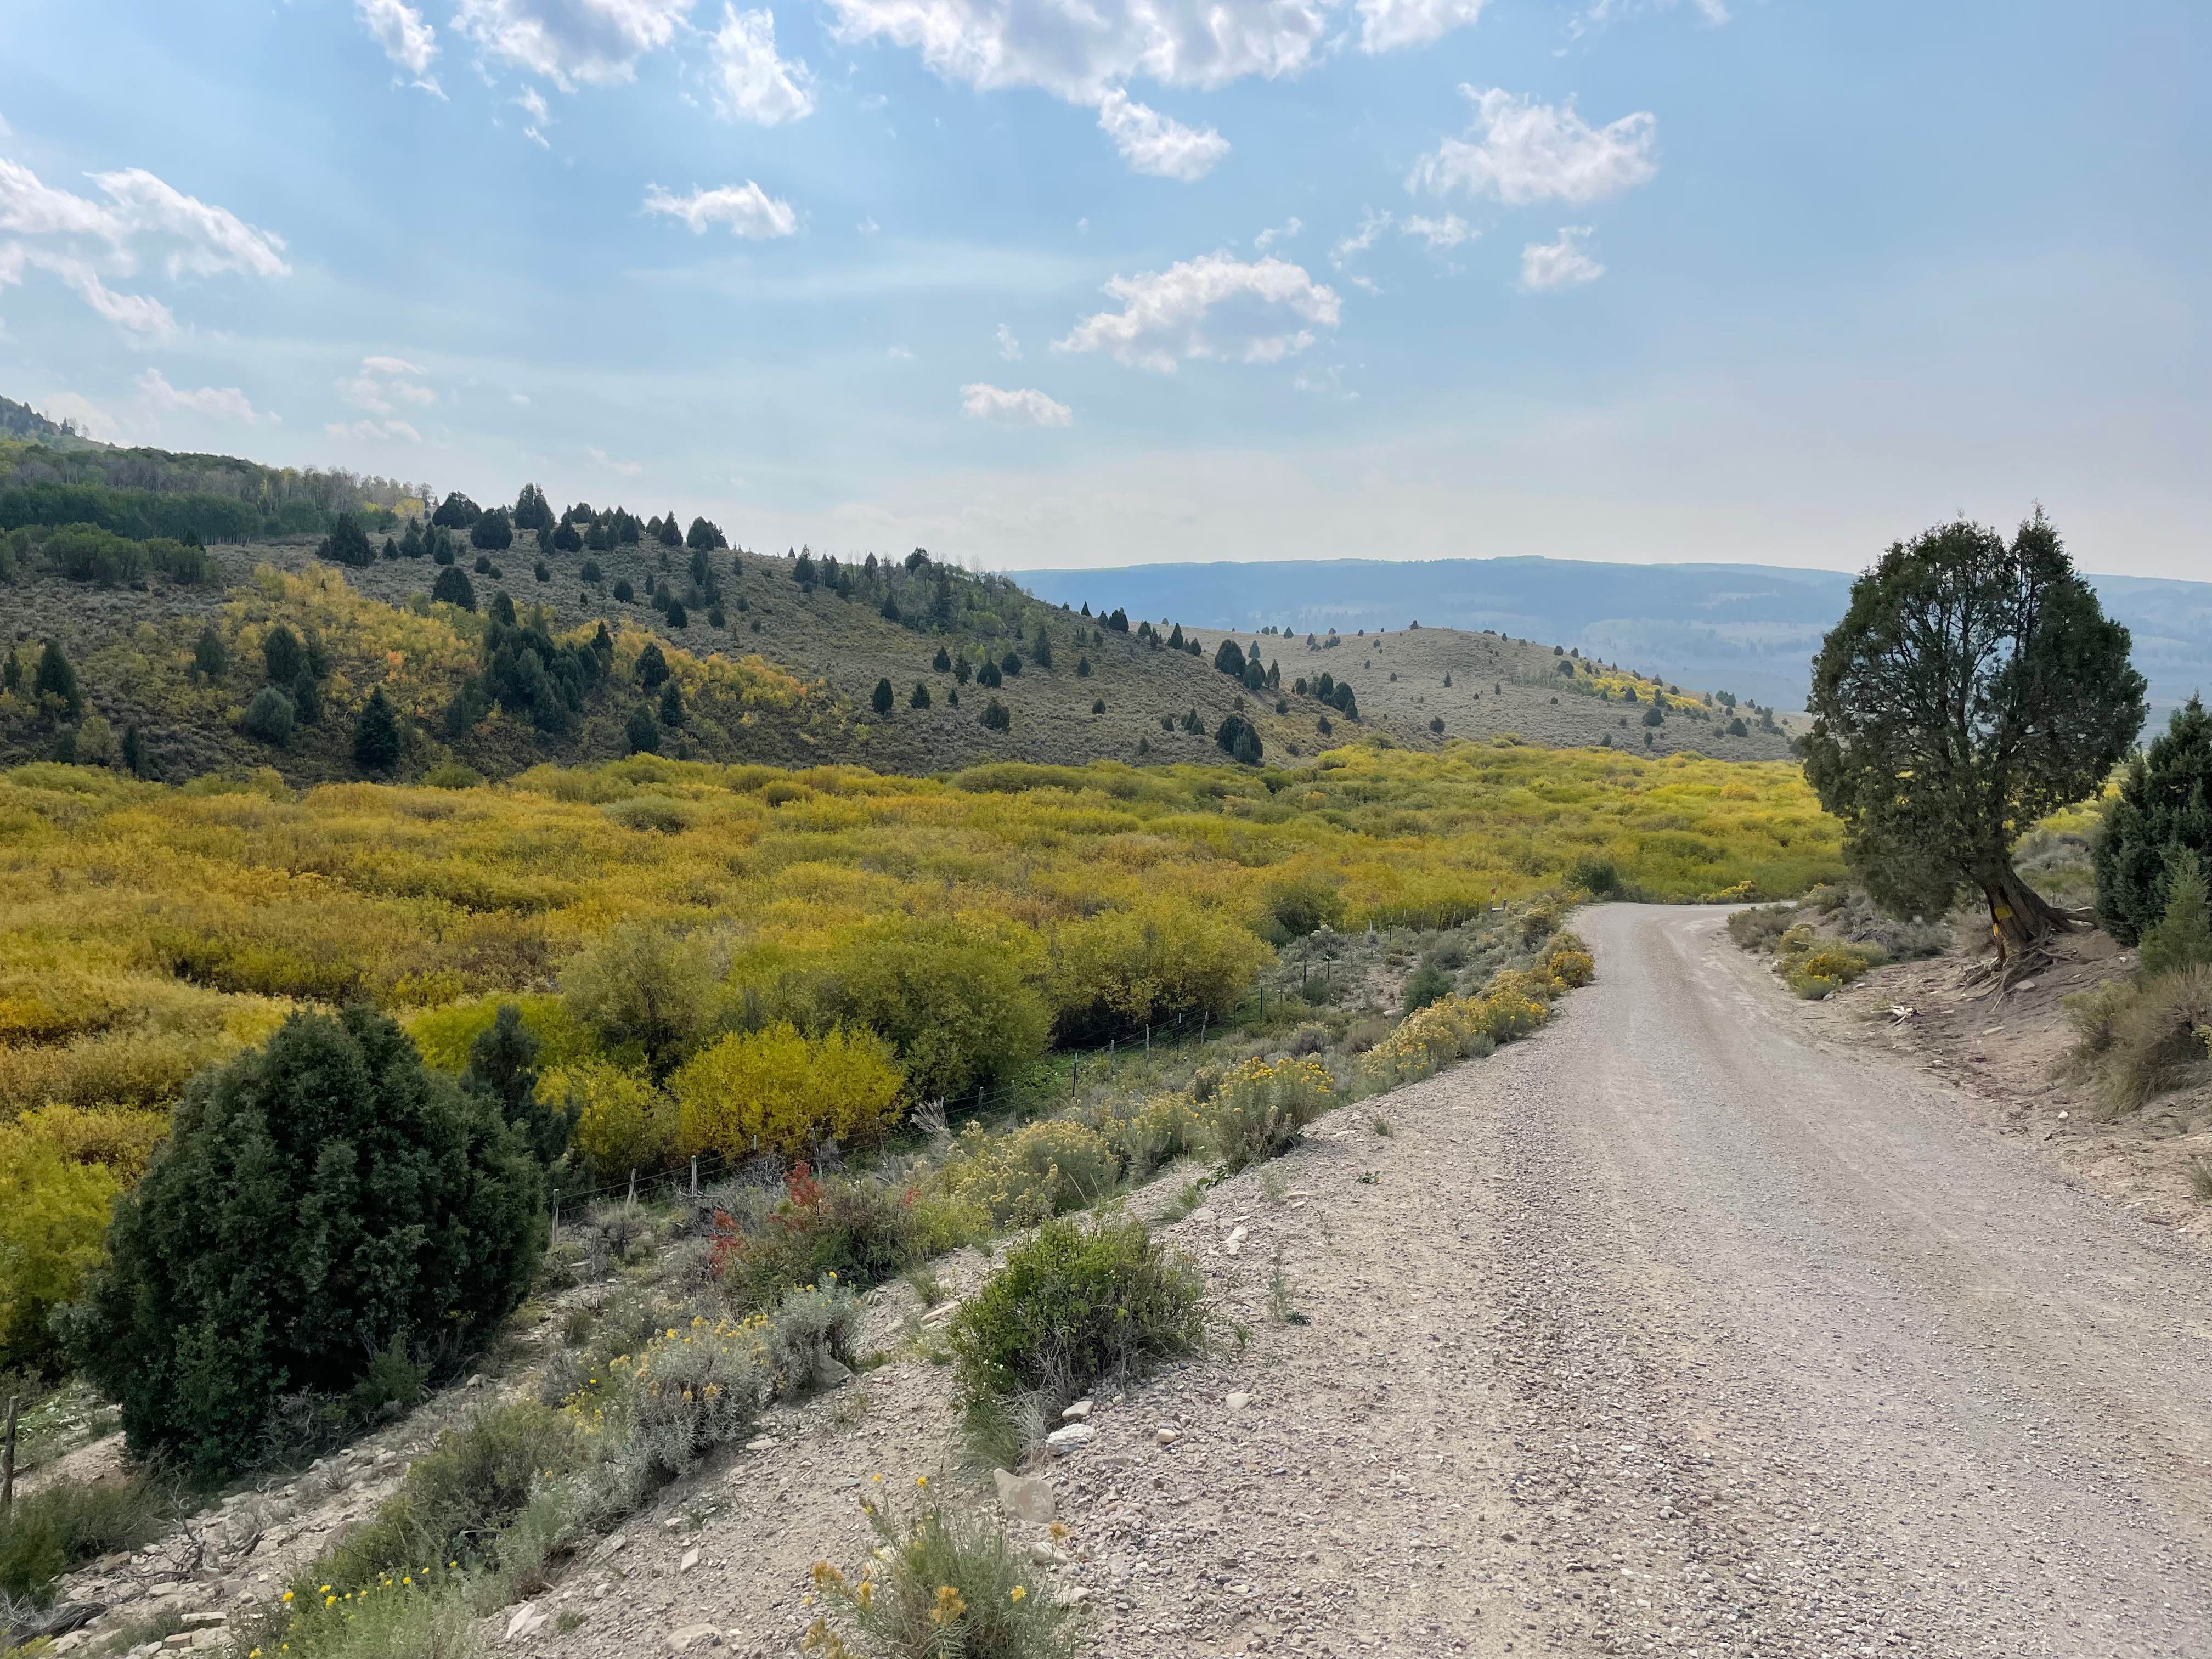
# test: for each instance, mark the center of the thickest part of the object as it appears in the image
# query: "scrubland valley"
(682, 1099)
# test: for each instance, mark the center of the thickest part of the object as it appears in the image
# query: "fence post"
(695, 1177)
(8, 1458)
(1148, 1037)
(1204, 1016)
(1075, 1077)
(1110, 1057)
(632, 1199)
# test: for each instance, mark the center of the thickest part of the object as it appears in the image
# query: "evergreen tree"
(590, 575)
(1229, 658)
(410, 543)
(802, 571)
(1042, 651)
(1971, 690)
(11, 670)
(890, 610)
(1119, 622)
(1083, 668)
(942, 662)
(2182, 937)
(56, 678)
(624, 593)
(882, 699)
(566, 540)
(678, 616)
(961, 670)
(990, 676)
(502, 1070)
(995, 717)
(670, 535)
(270, 716)
(652, 666)
(441, 547)
(456, 512)
(319, 1200)
(210, 660)
(376, 740)
(531, 510)
(921, 697)
(641, 734)
(1011, 663)
(703, 536)
(390, 548)
(282, 655)
(306, 700)
(502, 609)
(671, 704)
(2165, 801)
(492, 531)
(453, 588)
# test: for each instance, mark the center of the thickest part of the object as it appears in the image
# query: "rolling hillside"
(777, 659)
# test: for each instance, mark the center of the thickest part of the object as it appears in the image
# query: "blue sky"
(1034, 283)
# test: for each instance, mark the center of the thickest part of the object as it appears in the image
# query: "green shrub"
(2182, 936)
(1074, 1304)
(2159, 805)
(810, 1337)
(940, 1585)
(1424, 985)
(58, 1528)
(457, 1497)
(1261, 1110)
(2158, 1041)
(1042, 1170)
(317, 1199)
(856, 1230)
(270, 716)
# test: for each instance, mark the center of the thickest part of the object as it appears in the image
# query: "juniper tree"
(920, 699)
(376, 741)
(209, 658)
(2163, 805)
(671, 704)
(1971, 689)
(282, 656)
(882, 700)
(641, 734)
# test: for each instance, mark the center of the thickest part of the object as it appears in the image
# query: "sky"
(1077, 283)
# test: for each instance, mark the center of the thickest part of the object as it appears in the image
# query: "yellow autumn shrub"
(623, 1121)
(53, 1229)
(1260, 1108)
(780, 1089)
(1040, 1170)
(445, 1035)
(1150, 962)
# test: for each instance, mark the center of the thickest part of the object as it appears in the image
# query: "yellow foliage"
(625, 1123)
(445, 1035)
(1161, 957)
(1038, 1171)
(777, 1088)
(53, 1231)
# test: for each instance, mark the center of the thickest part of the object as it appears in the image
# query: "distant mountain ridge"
(1751, 629)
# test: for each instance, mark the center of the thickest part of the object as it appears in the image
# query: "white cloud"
(1440, 234)
(1080, 50)
(134, 313)
(385, 383)
(520, 399)
(1009, 347)
(1169, 315)
(1154, 144)
(1025, 407)
(572, 42)
(1282, 232)
(375, 431)
(213, 239)
(626, 469)
(749, 210)
(1519, 151)
(82, 412)
(31, 208)
(1546, 267)
(868, 226)
(408, 40)
(223, 402)
(532, 102)
(1372, 224)
(752, 83)
(1386, 24)
(899, 354)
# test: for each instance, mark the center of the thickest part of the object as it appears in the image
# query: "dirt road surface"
(1677, 1328)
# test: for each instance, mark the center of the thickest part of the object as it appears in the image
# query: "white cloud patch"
(868, 226)
(1009, 347)
(225, 402)
(747, 209)
(407, 39)
(134, 313)
(206, 240)
(1157, 144)
(1215, 305)
(1282, 232)
(1080, 50)
(1546, 267)
(1025, 406)
(1388, 25)
(1448, 232)
(81, 413)
(899, 354)
(625, 469)
(751, 82)
(384, 383)
(1519, 151)
(572, 43)
(1372, 224)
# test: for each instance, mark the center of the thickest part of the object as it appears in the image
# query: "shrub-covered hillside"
(503, 638)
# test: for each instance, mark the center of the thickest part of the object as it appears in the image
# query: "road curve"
(1672, 1330)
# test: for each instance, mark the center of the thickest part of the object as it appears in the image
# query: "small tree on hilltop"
(319, 1202)
(492, 531)
(453, 588)
(670, 535)
(1971, 689)
(2164, 803)
(347, 543)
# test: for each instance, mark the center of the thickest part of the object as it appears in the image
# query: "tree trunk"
(2021, 918)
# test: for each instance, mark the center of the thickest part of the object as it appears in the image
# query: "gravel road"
(1677, 1328)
